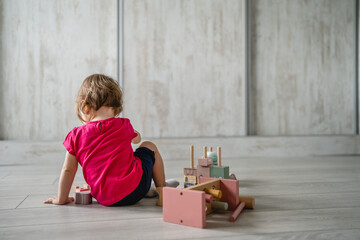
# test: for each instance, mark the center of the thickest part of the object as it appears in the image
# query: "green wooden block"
(219, 172)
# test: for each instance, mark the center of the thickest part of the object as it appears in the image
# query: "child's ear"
(87, 109)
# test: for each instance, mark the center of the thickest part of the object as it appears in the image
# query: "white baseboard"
(262, 146)
(231, 147)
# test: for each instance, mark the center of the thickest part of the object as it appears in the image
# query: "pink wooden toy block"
(202, 172)
(229, 189)
(184, 207)
(205, 162)
(209, 198)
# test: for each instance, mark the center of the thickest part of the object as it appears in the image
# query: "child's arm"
(66, 179)
(136, 139)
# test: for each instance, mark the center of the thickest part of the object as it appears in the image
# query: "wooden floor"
(296, 198)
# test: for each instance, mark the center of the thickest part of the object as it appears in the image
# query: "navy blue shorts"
(147, 158)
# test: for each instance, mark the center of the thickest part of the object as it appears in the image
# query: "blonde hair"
(99, 90)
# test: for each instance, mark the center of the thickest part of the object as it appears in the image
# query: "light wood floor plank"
(296, 198)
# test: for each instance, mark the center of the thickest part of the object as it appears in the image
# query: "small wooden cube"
(190, 180)
(219, 172)
(205, 162)
(202, 172)
(190, 176)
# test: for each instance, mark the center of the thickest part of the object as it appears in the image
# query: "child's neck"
(103, 113)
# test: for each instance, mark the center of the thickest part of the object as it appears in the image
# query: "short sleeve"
(132, 133)
(69, 143)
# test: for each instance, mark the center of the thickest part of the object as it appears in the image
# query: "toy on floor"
(208, 166)
(190, 174)
(83, 195)
(191, 205)
(217, 171)
(206, 188)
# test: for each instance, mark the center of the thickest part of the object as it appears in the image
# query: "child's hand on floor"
(55, 200)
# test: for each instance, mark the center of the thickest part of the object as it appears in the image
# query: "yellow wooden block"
(214, 192)
(189, 180)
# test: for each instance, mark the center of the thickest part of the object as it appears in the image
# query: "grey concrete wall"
(183, 67)
(303, 67)
(47, 49)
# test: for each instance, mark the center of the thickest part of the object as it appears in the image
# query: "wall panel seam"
(120, 41)
(357, 68)
(247, 67)
(120, 45)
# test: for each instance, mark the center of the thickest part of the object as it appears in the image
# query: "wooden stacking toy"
(207, 188)
(219, 171)
(206, 167)
(190, 206)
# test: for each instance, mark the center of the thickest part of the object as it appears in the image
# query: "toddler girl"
(117, 175)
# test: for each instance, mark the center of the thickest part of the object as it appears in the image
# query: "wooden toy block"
(205, 162)
(209, 198)
(190, 177)
(219, 172)
(212, 183)
(189, 180)
(229, 189)
(202, 172)
(184, 207)
(214, 192)
(249, 201)
(220, 205)
(237, 211)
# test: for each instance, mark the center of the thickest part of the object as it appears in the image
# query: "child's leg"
(158, 168)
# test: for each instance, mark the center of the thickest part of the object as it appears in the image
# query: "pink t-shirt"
(103, 149)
